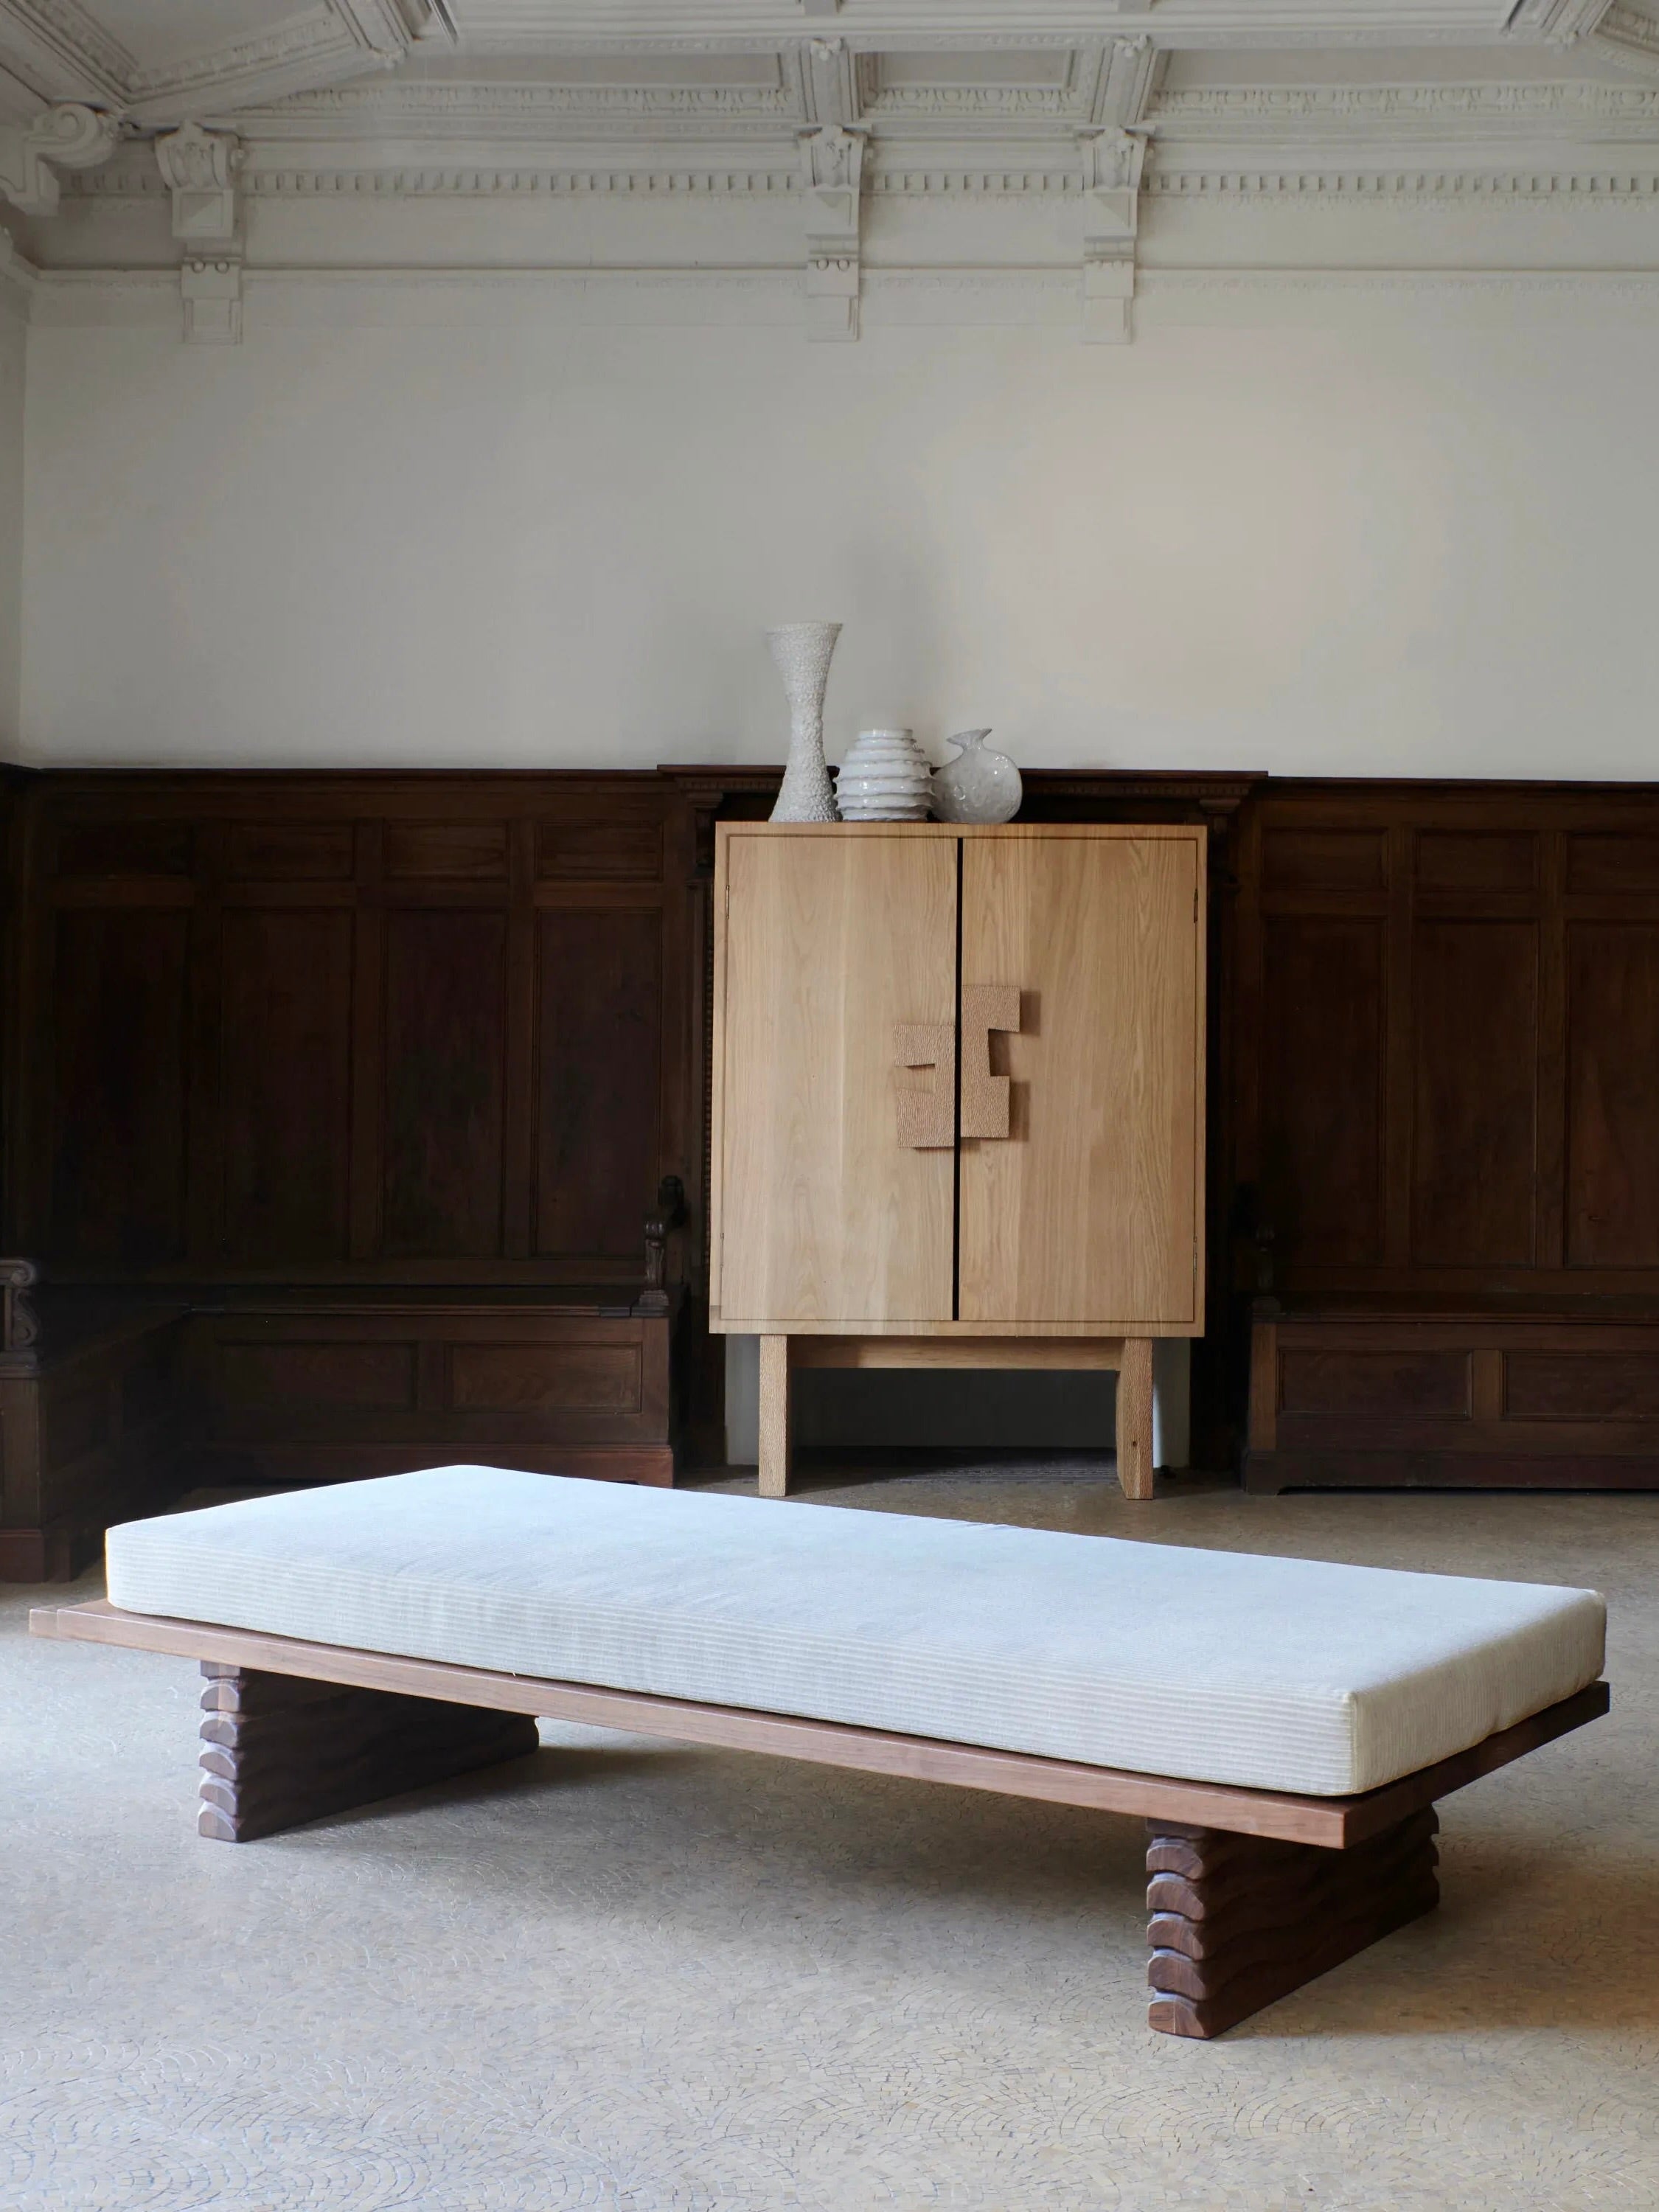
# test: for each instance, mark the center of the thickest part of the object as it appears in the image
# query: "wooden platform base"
(1236, 1921)
(1130, 1357)
(277, 1750)
(1251, 1892)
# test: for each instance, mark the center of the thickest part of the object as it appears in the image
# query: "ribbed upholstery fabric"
(1219, 1666)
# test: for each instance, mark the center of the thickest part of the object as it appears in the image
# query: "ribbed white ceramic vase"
(885, 777)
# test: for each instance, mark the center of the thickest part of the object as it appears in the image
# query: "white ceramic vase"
(883, 778)
(978, 784)
(800, 653)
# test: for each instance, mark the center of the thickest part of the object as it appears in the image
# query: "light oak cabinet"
(958, 1102)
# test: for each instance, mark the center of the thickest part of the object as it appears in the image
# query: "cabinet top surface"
(1191, 831)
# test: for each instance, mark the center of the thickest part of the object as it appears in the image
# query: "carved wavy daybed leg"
(278, 1750)
(1237, 1922)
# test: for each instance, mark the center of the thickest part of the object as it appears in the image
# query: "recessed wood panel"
(540, 1378)
(125, 849)
(79, 1419)
(452, 851)
(1475, 1125)
(1324, 859)
(1375, 1385)
(598, 849)
(1602, 860)
(599, 1070)
(286, 1083)
(288, 852)
(1581, 1386)
(119, 1114)
(1476, 860)
(1322, 1110)
(1087, 1210)
(1612, 1095)
(293, 1374)
(445, 1041)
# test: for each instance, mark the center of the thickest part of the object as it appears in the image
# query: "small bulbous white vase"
(978, 784)
(800, 653)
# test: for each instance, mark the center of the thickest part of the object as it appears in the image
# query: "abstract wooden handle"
(985, 1007)
(926, 1119)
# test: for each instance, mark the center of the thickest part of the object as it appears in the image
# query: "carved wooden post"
(20, 1324)
(278, 1750)
(1236, 1921)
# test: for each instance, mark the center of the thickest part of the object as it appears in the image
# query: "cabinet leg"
(1134, 1418)
(775, 1417)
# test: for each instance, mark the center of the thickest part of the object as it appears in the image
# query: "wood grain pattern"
(774, 1436)
(1331, 1823)
(1071, 1353)
(445, 1040)
(1134, 1418)
(1092, 1211)
(118, 1000)
(1475, 1106)
(1236, 1923)
(1320, 1161)
(600, 1077)
(1348, 1397)
(1612, 1095)
(286, 1082)
(277, 1752)
(831, 942)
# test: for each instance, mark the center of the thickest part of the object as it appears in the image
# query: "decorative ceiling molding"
(1512, 187)
(62, 51)
(1561, 21)
(1630, 36)
(68, 137)
(1443, 109)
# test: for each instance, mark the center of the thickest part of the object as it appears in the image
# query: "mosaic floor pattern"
(650, 1979)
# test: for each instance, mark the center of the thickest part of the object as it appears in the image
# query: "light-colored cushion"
(1219, 1666)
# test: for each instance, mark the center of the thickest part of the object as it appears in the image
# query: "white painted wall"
(521, 524)
(12, 367)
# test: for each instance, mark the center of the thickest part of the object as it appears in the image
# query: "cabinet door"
(1089, 1211)
(831, 941)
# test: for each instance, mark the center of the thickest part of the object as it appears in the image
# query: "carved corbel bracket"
(20, 1324)
(199, 169)
(670, 1212)
(68, 137)
(1113, 161)
(832, 160)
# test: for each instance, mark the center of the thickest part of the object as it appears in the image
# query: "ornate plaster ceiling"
(969, 65)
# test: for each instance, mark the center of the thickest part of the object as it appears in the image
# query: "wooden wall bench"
(1542, 1395)
(89, 1394)
(1250, 1893)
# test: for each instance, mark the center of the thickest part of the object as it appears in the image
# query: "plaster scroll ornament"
(67, 136)
(979, 785)
(801, 653)
(883, 778)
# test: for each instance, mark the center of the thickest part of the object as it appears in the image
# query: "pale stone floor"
(662, 1980)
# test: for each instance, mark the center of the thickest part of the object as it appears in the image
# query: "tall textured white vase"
(800, 653)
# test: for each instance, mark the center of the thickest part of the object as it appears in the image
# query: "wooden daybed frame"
(1251, 1892)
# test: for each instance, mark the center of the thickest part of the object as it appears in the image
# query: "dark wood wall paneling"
(1448, 1040)
(1451, 1012)
(381, 1031)
(331, 1029)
